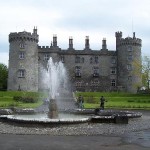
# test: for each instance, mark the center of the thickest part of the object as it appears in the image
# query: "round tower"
(23, 61)
(128, 62)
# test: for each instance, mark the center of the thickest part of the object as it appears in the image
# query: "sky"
(97, 19)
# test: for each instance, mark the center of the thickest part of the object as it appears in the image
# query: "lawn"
(116, 100)
(91, 99)
(7, 99)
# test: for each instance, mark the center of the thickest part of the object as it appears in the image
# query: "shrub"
(25, 99)
(17, 98)
(29, 100)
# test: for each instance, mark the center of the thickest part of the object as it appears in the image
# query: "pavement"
(48, 142)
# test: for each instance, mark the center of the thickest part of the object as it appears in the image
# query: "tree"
(3, 76)
(146, 72)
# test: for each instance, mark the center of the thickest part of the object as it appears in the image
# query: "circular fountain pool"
(78, 116)
(41, 118)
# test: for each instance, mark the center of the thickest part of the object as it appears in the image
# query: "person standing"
(102, 101)
(80, 102)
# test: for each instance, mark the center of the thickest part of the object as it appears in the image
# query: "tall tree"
(3, 76)
(146, 72)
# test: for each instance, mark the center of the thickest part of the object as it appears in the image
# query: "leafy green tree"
(146, 72)
(3, 76)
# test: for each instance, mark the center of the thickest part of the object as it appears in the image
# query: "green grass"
(7, 101)
(116, 100)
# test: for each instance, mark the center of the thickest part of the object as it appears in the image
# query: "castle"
(89, 70)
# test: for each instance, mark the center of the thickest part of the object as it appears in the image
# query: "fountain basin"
(74, 117)
(43, 119)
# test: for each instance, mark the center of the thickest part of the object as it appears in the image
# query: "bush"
(29, 100)
(17, 98)
(25, 99)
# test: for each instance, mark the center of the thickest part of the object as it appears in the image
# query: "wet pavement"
(47, 142)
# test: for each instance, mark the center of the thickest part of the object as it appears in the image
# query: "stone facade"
(89, 70)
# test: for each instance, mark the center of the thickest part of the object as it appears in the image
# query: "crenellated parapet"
(129, 41)
(133, 41)
(118, 34)
(23, 36)
(43, 47)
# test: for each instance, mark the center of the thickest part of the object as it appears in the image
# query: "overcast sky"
(97, 19)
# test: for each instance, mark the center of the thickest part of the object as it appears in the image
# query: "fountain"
(55, 76)
(60, 100)
(53, 110)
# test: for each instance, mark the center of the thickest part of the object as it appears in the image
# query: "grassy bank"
(7, 99)
(116, 100)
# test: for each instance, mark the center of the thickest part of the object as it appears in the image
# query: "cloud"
(96, 18)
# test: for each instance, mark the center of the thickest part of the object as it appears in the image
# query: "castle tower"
(128, 62)
(23, 61)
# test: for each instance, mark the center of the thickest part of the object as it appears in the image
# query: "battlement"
(129, 41)
(43, 47)
(23, 36)
(118, 34)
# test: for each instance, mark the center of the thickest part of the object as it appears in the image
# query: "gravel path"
(136, 124)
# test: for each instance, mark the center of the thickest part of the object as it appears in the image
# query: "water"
(44, 117)
(56, 77)
(55, 80)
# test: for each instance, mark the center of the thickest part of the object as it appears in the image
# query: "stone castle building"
(89, 70)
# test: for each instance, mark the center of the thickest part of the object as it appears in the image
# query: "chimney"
(104, 45)
(134, 35)
(87, 45)
(35, 30)
(70, 42)
(55, 40)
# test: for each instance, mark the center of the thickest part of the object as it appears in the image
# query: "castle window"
(96, 83)
(46, 57)
(62, 59)
(130, 53)
(113, 60)
(22, 45)
(129, 58)
(21, 73)
(82, 59)
(129, 48)
(77, 59)
(78, 71)
(78, 83)
(21, 55)
(92, 83)
(129, 78)
(113, 82)
(129, 67)
(96, 59)
(113, 70)
(95, 72)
